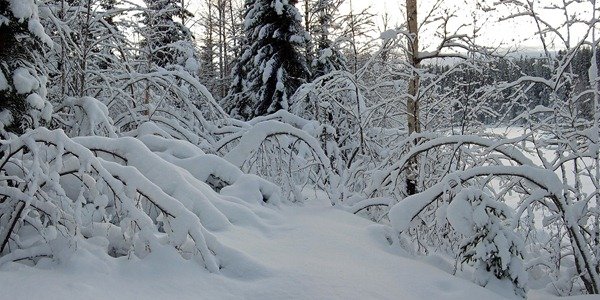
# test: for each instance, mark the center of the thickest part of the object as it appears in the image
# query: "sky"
(519, 32)
(516, 34)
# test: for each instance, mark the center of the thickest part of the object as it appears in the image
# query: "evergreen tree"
(490, 243)
(109, 5)
(168, 44)
(272, 66)
(328, 57)
(168, 41)
(22, 90)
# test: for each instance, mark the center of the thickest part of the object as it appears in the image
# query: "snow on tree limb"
(118, 184)
(404, 211)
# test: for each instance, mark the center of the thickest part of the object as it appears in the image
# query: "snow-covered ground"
(312, 251)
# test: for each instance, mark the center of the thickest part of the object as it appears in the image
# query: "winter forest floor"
(313, 251)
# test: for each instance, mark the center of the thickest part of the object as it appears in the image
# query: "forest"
(139, 134)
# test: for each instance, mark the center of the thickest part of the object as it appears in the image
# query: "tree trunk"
(412, 101)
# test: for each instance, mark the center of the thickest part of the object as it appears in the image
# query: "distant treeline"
(468, 81)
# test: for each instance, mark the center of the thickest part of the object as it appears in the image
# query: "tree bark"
(412, 101)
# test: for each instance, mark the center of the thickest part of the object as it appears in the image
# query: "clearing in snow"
(313, 251)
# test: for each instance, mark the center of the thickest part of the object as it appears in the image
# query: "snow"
(24, 82)
(325, 54)
(192, 65)
(176, 200)
(389, 34)
(252, 139)
(279, 6)
(37, 29)
(297, 38)
(402, 213)
(6, 118)
(268, 70)
(3, 82)
(91, 114)
(511, 152)
(35, 101)
(311, 252)
(459, 215)
(593, 70)
(22, 9)
(263, 247)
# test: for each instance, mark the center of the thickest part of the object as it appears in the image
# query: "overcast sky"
(518, 32)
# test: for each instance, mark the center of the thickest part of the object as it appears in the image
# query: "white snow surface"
(309, 252)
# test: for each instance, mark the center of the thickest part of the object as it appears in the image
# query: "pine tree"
(272, 66)
(22, 90)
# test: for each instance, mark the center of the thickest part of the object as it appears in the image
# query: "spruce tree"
(490, 243)
(166, 39)
(328, 57)
(22, 91)
(168, 44)
(271, 66)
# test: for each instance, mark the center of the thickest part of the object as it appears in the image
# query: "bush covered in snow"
(489, 241)
(129, 195)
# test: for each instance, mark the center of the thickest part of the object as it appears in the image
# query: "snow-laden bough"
(128, 194)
